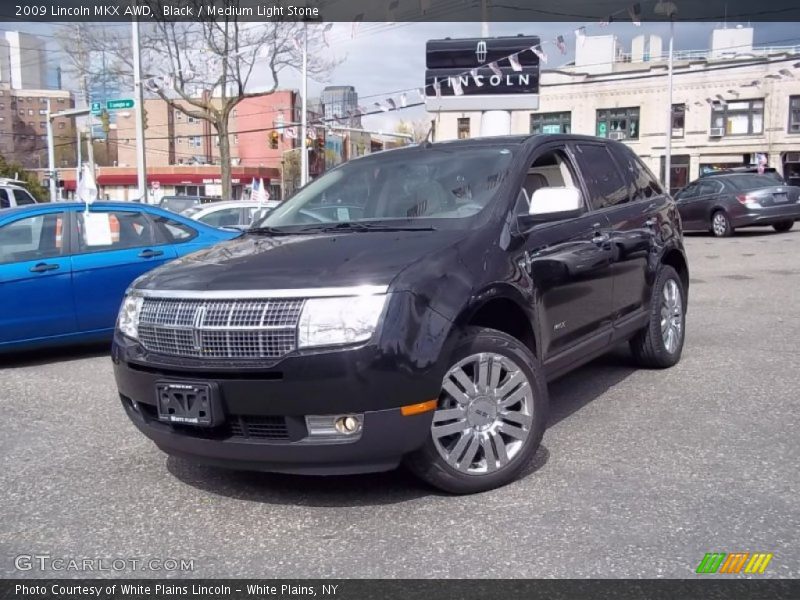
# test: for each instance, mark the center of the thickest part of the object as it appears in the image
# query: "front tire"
(783, 226)
(660, 344)
(721, 224)
(491, 415)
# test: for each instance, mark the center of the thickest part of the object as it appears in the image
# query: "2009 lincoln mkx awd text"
(408, 306)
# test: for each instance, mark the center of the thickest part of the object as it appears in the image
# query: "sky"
(386, 58)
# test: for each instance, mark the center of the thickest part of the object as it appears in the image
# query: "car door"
(569, 264)
(684, 200)
(708, 196)
(637, 218)
(35, 277)
(113, 247)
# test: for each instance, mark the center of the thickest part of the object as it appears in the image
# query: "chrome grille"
(261, 328)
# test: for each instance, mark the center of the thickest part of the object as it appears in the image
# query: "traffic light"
(273, 140)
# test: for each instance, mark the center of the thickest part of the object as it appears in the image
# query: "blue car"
(63, 271)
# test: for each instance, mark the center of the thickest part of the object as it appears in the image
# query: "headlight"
(334, 321)
(128, 319)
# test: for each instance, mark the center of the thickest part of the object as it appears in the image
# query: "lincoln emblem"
(480, 52)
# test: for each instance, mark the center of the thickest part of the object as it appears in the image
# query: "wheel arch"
(677, 260)
(504, 310)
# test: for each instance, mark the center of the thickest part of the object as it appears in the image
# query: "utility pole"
(304, 109)
(485, 18)
(668, 151)
(51, 155)
(141, 165)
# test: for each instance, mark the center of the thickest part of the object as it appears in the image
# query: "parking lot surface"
(639, 475)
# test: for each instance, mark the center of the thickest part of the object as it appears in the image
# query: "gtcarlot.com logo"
(45, 562)
(731, 564)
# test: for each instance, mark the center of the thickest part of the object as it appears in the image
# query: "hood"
(299, 261)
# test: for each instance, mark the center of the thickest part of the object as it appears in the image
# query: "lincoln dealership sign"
(477, 74)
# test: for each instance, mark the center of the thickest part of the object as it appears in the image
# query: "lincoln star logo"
(197, 323)
(481, 52)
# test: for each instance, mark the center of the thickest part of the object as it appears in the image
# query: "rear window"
(750, 182)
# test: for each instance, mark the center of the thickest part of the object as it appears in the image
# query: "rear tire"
(491, 415)
(783, 226)
(721, 224)
(660, 344)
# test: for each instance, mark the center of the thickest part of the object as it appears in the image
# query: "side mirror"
(555, 204)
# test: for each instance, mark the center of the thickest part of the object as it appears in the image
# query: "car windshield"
(426, 187)
(750, 182)
(192, 211)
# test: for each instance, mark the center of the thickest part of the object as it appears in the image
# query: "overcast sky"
(384, 58)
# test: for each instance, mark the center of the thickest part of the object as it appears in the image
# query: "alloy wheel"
(720, 224)
(485, 414)
(671, 316)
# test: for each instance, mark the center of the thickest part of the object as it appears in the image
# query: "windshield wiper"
(361, 227)
(271, 231)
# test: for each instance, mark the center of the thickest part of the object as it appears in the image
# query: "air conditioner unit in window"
(616, 135)
(717, 132)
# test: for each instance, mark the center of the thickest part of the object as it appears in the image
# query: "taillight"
(743, 198)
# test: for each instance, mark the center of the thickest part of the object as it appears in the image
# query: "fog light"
(347, 425)
(329, 429)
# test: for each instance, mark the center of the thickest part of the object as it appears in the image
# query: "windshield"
(431, 186)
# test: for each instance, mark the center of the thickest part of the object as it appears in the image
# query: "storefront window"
(560, 122)
(739, 118)
(618, 123)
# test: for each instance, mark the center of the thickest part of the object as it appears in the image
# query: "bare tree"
(204, 68)
(418, 128)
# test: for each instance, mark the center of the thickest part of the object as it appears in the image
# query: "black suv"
(408, 305)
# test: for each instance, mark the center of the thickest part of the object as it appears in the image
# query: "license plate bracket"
(780, 198)
(188, 403)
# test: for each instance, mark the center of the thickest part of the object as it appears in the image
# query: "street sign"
(97, 109)
(119, 104)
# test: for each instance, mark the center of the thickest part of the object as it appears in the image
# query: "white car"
(12, 193)
(236, 213)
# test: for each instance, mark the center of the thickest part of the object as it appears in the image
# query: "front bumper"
(277, 399)
(769, 215)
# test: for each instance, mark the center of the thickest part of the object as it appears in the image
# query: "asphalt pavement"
(640, 473)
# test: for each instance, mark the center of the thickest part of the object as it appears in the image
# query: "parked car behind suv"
(13, 193)
(723, 203)
(408, 305)
(179, 204)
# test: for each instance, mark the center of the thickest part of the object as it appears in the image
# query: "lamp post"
(668, 9)
(304, 109)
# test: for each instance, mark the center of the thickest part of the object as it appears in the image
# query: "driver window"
(549, 170)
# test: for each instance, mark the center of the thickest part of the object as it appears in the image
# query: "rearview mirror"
(555, 204)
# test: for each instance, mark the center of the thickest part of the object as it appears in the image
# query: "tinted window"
(750, 182)
(32, 238)
(225, 217)
(606, 186)
(4, 200)
(709, 188)
(690, 191)
(642, 182)
(174, 231)
(115, 230)
(23, 197)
